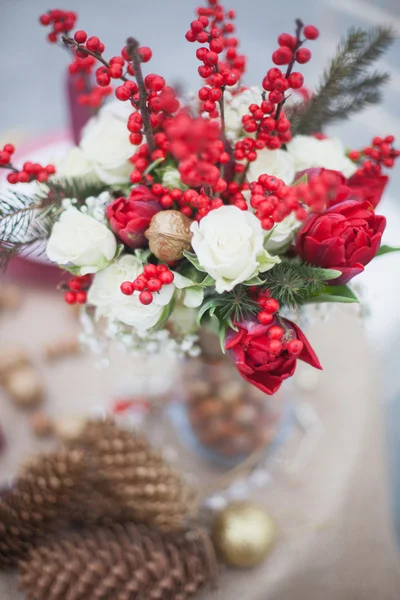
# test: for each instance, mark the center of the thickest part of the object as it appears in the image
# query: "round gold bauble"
(243, 534)
(169, 235)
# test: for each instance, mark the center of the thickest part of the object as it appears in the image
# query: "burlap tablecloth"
(336, 538)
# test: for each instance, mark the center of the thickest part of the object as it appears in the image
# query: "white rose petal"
(76, 165)
(307, 152)
(228, 243)
(278, 163)
(105, 294)
(79, 240)
(105, 144)
(282, 235)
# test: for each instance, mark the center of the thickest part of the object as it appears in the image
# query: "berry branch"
(72, 43)
(299, 42)
(133, 52)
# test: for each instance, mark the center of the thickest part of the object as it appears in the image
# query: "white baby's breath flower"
(228, 243)
(81, 243)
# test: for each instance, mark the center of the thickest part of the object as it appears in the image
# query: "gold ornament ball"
(243, 534)
(169, 235)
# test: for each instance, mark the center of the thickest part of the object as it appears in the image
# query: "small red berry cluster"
(281, 339)
(76, 289)
(371, 159)
(267, 120)
(30, 171)
(82, 68)
(148, 283)
(271, 200)
(316, 194)
(61, 22)
(221, 64)
(196, 144)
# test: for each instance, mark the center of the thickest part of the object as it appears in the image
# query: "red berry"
(296, 80)
(281, 84)
(139, 285)
(50, 169)
(12, 178)
(9, 148)
(70, 297)
(275, 346)
(93, 43)
(81, 297)
(196, 26)
(166, 277)
(145, 54)
(311, 32)
(282, 56)
(150, 270)
(276, 96)
(80, 36)
(127, 288)
(286, 39)
(295, 347)
(271, 305)
(211, 58)
(115, 71)
(265, 317)
(275, 332)
(122, 93)
(303, 55)
(154, 285)
(146, 297)
(44, 19)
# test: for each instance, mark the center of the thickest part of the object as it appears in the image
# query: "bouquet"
(221, 209)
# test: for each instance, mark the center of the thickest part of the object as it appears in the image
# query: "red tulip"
(345, 237)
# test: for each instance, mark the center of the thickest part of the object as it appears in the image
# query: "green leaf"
(165, 315)
(153, 165)
(222, 334)
(209, 306)
(386, 250)
(253, 281)
(334, 293)
(302, 179)
(143, 255)
(193, 259)
(330, 274)
(207, 281)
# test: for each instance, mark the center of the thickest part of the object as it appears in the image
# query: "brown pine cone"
(127, 562)
(40, 497)
(140, 484)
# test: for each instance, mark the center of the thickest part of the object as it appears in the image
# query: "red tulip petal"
(307, 354)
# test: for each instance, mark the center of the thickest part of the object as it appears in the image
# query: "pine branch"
(346, 87)
(237, 304)
(291, 282)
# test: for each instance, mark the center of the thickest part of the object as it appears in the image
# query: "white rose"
(228, 243)
(278, 163)
(80, 241)
(105, 294)
(105, 143)
(76, 165)
(236, 106)
(279, 239)
(308, 152)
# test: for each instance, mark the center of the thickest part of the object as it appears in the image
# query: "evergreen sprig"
(26, 221)
(291, 283)
(347, 85)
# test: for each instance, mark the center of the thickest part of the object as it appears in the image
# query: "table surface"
(336, 538)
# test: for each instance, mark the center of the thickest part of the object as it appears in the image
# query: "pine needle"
(347, 85)
(291, 282)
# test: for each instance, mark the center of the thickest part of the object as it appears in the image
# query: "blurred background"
(33, 105)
